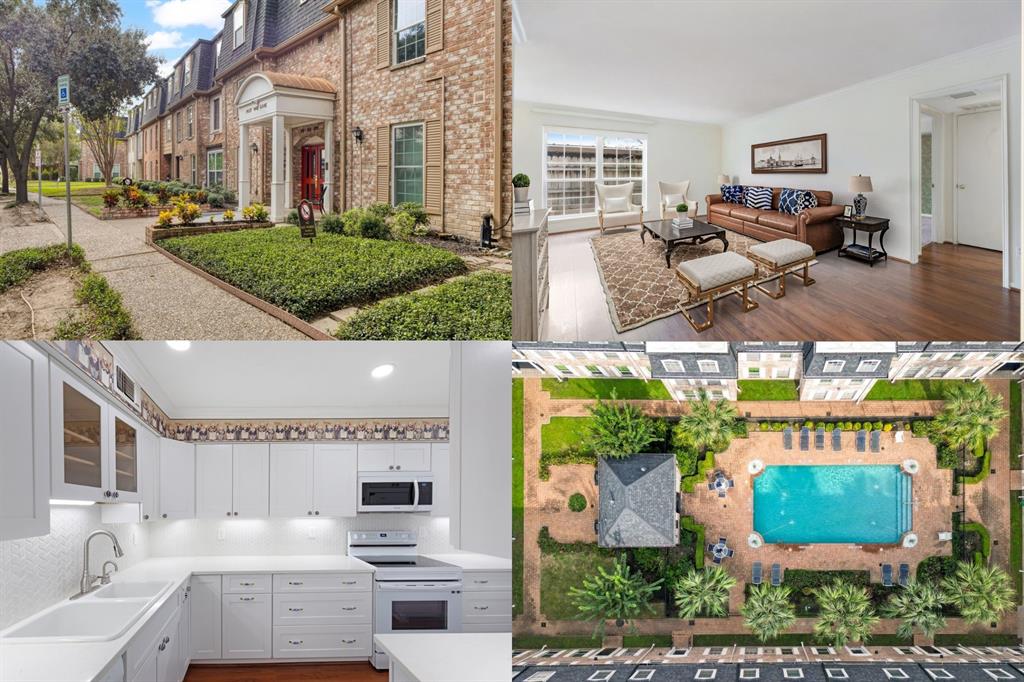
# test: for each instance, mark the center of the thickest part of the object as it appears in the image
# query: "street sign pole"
(64, 101)
(39, 172)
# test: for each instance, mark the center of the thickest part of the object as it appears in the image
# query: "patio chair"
(711, 547)
(730, 552)
(776, 575)
(904, 575)
(887, 575)
(876, 441)
(755, 573)
(862, 441)
(837, 440)
(787, 438)
(732, 483)
(805, 438)
(716, 559)
(711, 485)
(819, 439)
(721, 541)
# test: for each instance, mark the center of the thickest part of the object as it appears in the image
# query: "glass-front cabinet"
(95, 452)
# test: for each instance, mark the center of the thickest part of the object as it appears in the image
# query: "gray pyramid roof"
(637, 501)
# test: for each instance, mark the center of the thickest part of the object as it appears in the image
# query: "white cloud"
(165, 40)
(165, 69)
(181, 13)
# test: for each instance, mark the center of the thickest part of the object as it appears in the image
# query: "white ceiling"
(985, 93)
(282, 379)
(716, 61)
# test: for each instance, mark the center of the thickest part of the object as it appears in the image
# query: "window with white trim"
(708, 366)
(896, 673)
(834, 366)
(750, 673)
(195, 171)
(189, 116)
(624, 371)
(575, 161)
(643, 675)
(754, 372)
(407, 163)
(836, 673)
(410, 32)
(706, 674)
(215, 118)
(998, 673)
(940, 674)
(672, 365)
(601, 676)
(214, 167)
(793, 673)
(868, 365)
(188, 68)
(238, 23)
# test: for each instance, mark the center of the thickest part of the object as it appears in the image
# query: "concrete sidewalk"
(166, 301)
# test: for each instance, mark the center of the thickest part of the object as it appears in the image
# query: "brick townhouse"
(345, 102)
(89, 167)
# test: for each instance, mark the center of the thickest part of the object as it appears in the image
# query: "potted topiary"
(521, 187)
(682, 208)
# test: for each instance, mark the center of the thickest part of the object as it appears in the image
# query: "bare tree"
(103, 136)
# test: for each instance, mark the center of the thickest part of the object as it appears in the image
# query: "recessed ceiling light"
(382, 371)
(179, 345)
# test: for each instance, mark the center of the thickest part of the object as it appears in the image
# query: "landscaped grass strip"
(517, 496)
(477, 307)
(908, 389)
(974, 639)
(104, 316)
(1015, 426)
(564, 440)
(624, 389)
(558, 642)
(767, 389)
(18, 266)
(1016, 563)
(795, 639)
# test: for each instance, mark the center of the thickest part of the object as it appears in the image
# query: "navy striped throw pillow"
(758, 197)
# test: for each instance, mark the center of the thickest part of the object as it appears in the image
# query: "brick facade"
(89, 167)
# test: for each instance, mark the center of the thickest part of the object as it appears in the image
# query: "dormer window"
(238, 22)
(410, 22)
(188, 69)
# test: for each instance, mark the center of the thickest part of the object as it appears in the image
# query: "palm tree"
(709, 424)
(918, 605)
(981, 593)
(846, 613)
(971, 415)
(704, 592)
(767, 611)
(619, 429)
(617, 594)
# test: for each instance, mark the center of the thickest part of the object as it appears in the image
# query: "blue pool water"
(838, 504)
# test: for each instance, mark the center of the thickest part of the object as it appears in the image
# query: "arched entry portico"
(283, 102)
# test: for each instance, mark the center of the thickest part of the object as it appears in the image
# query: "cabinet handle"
(117, 494)
(247, 584)
(317, 513)
(229, 513)
(348, 641)
(481, 582)
(294, 582)
(167, 640)
(164, 515)
(309, 513)
(348, 608)
(398, 467)
(246, 598)
(295, 642)
(162, 646)
(107, 493)
(348, 582)
(236, 513)
(481, 608)
(295, 610)
(145, 517)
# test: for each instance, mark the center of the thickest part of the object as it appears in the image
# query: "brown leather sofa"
(814, 226)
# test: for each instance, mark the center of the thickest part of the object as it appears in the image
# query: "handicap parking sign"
(64, 90)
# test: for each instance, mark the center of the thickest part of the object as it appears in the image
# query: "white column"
(329, 162)
(243, 167)
(278, 186)
(288, 174)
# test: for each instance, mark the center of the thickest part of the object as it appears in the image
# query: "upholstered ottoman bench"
(782, 257)
(705, 278)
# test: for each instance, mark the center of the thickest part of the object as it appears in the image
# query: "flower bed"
(154, 232)
(148, 212)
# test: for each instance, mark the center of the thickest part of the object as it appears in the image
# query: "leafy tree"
(980, 593)
(767, 611)
(971, 416)
(918, 606)
(846, 613)
(709, 425)
(620, 429)
(704, 592)
(617, 594)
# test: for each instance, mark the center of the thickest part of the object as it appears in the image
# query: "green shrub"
(475, 307)
(229, 196)
(381, 210)
(577, 502)
(520, 180)
(293, 217)
(216, 200)
(332, 223)
(403, 226)
(255, 213)
(104, 316)
(416, 211)
(365, 222)
(18, 266)
(111, 197)
(934, 568)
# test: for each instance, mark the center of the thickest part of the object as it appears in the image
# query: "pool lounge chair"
(887, 575)
(805, 438)
(755, 573)
(711, 547)
(819, 439)
(721, 541)
(862, 441)
(876, 441)
(716, 559)
(711, 485)
(730, 552)
(904, 574)
(837, 440)
(787, 438)
(776, 575)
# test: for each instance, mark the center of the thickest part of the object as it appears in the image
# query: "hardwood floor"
(953, 293)
(286, 672)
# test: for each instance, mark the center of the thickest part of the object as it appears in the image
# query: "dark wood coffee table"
(699, 233)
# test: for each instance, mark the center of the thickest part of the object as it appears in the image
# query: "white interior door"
(979, 183)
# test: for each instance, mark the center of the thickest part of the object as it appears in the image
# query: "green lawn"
(311, 279)
(909, 389)
(794, 639)
(56, 189)
(975, 639)
(561, 642)
(1015, 427)
(564, 440)
(559, 572)
(1016, 563)
(625, 389)
(768, 389)
(517, 496)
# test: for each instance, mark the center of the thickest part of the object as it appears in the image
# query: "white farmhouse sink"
(85, 620)
(130, 590)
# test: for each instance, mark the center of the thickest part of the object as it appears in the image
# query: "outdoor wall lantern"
(357, 133)
(255, 148)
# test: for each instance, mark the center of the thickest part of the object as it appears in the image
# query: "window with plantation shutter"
(383, 34)
(433, 167)
(384, 164)
(435, 25)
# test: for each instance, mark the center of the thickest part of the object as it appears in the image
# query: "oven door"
(402, 606)
(396, 493)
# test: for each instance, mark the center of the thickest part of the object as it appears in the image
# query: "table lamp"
(860, 184)
(724, 180)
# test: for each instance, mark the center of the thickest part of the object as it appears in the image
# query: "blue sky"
(173, 25)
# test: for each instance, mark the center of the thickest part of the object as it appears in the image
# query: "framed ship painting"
(797, 155)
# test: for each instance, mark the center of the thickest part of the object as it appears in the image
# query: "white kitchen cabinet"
(335, 486)
(177, 480)
(232, 480)
(184, 649)
(442, 485)
(213, 480)
(251, 480)
(149, 472)
(384, 457)
(168, 657)
(312, 480)
(486, 601)
(79, 435)
(125, 446)
(205, 605)
(247, 629)
(25, 445)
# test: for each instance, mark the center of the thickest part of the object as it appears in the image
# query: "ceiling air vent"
(126, 388)
(963, 95)
(980, 105)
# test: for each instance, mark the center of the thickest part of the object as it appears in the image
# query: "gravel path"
(166, 301)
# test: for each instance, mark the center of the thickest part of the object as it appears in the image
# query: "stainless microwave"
(396, 492)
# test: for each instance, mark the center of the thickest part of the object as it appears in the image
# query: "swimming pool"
(804, 504)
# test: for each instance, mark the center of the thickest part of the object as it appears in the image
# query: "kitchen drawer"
(486, 607)
(322, 582)
(330, 608)
(503, 625)
(487, 581)
(323, 641)
(241, 584)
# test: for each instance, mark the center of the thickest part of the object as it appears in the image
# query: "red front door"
(312, 165)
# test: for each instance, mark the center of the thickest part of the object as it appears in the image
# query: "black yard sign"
(307, 223)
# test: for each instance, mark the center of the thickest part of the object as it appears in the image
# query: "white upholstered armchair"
(671, 195)
(615, 207)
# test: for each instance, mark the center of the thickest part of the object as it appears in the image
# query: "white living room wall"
(868, 128)
(676, 150)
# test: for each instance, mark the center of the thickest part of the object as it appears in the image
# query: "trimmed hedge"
(688, 526)
(705, 465)
(477, 307)
(1015, 425)
(310, 279)
(986, 461)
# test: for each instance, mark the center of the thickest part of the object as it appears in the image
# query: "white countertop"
(456, 657)
(469, 561)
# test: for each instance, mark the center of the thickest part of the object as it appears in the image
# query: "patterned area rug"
(638, 286)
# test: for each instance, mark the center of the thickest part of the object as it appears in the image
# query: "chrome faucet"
(88, 579)
(105, 578)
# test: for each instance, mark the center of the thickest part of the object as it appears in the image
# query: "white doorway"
(931, 176)
(978, 179)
